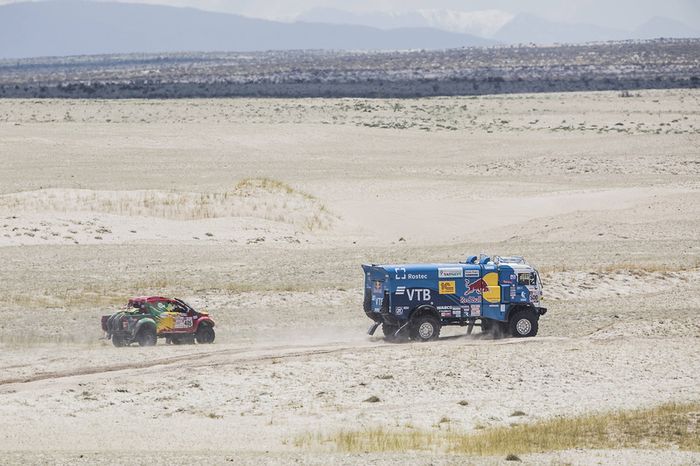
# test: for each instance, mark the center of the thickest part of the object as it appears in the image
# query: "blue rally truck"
(502, 296)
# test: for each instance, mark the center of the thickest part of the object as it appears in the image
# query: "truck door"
(508, 281)
(491, 294)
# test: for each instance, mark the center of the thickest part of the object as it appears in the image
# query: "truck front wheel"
(425, 328)
(523, 324)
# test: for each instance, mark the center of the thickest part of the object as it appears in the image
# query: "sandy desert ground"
(261, 211)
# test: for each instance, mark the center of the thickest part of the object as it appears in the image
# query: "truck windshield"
(527, 278)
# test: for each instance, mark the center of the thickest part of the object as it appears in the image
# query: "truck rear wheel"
(425, 328)
(523, 324)
(147, 336)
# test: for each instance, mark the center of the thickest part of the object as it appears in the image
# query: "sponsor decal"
(493, 292)
(183, 322)
(447, 287)
(475, 310)
(469, 299)
(512, 293)
(471, 273)
(451, 272)
(401, 274)
(399, 310)
(503, 308)
(477, 286)
(400, 290)
(457, 313)
(418, 294)
(377, 286)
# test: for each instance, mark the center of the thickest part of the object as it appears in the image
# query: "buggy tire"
(523, 324)
(205, 334)
(182, 340)
(118, 341)
(425, 328)
(147, 336)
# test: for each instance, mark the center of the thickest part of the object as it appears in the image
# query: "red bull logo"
(486, 287)
(478, 286)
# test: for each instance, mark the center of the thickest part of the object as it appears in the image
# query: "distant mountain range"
(504, 27)
(664, 27)
(481, 23)
(70, 27)
(74, 27)
(531, 29)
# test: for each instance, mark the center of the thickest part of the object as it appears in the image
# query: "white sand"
(95, 211)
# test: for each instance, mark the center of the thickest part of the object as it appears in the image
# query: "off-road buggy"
(145, 319)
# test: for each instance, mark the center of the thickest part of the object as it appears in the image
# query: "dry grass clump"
(667, 426)
(254, 197)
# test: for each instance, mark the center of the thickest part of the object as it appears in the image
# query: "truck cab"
(415, 300)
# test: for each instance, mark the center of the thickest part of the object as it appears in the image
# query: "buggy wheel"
(147, 336)
(205, 334)
(523, 324)
(119, 341)
(183, 340)
(425, 328)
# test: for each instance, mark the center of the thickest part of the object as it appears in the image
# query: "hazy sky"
(620, 14)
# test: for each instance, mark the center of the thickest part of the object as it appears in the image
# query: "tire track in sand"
(263, 353)
(255, 354)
